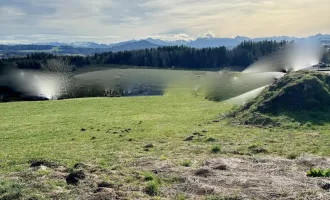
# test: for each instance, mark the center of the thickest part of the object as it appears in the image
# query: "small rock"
(130, 140)
(83, 129)
(155, 171)
(190, 138)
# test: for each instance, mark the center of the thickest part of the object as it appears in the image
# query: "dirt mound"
(297, 98)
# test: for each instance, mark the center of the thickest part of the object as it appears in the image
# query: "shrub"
(186, 163)
(318, 172)
(216, 149)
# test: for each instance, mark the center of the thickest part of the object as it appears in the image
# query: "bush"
(216, 149)
(318, 172)
(186, 163)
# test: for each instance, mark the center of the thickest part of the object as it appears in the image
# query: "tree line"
(164, 57)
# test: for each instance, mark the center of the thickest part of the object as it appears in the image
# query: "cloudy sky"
(118, 20)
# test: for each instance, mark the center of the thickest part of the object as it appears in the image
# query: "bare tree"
(63, 71)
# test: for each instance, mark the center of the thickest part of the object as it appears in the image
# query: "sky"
(108, 21)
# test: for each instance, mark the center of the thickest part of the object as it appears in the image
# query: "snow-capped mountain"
(207, 40)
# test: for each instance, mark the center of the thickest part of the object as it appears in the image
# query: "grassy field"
(122, 140)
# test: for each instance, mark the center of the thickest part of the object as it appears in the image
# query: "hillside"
(297, 98)
(167, 147)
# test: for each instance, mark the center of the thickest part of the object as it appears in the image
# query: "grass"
(152, 188)
(52, 131)
(10, 190)
(216, 149)
(186, 163)
(319, 172)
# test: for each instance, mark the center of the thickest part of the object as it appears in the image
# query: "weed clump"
(186, 163)
(153, 184)
(318, 172)
(149, 176)
(152, 188)
(216, 149)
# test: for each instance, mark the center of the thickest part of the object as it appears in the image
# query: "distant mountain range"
(86, 48)
(200, 42)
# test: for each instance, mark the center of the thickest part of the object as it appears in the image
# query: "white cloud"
(101, 20)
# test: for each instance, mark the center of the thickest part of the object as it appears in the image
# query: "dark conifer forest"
(163, 57)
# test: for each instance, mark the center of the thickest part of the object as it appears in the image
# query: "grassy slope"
(52, 130)
(46, 129)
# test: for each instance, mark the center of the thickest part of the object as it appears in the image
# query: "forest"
(163, 57)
